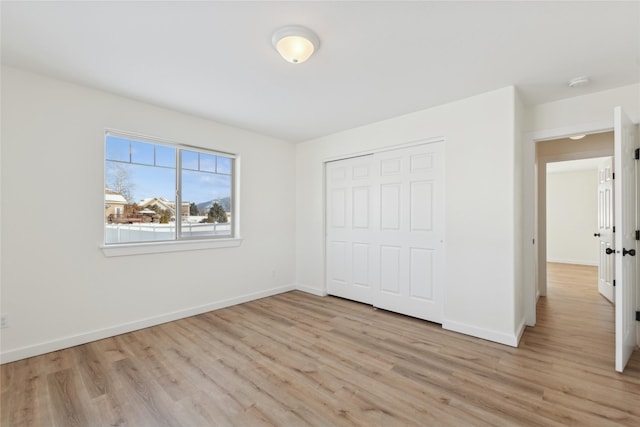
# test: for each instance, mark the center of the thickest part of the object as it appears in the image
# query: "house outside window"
(156, 191)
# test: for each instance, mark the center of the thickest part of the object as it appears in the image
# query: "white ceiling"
(376, 60)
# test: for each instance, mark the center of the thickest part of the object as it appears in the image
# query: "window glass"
(207, 162)
(208, 196)
(142, 153)
(189, 160)
(117, 149)
(144, 202)
(224, 165)
(165, 156)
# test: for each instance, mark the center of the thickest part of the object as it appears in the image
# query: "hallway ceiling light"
(576, 137)
(579, 81)
(295, 43)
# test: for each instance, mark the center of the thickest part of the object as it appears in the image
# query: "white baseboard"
(519, 331)
(83, 338)
(313, 291)
(485, 334)
(573, 261)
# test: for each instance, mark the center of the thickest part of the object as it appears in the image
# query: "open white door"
(625, 243)
(606, 258)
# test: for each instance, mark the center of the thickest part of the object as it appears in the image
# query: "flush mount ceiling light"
(579, 81)
(576, 137)
(295, 43)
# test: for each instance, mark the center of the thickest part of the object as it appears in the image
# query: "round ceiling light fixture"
(579, 81)
(295, 43)
(577, 137)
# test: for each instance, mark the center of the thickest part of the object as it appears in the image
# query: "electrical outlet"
(4, 321)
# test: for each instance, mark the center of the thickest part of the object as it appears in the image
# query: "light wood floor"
(296, 359)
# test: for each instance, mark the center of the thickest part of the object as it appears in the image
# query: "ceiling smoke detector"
(579, 81)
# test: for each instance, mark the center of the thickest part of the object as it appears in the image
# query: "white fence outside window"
(150, 232)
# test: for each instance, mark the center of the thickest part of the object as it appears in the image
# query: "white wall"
(57, 286)
(60, 290)
(520, 239)
(480, 208)
(595, 108)
(572, 217)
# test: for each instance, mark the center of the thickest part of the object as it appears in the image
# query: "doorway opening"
(627, 334)
(568, 274)
(573, 211)
(551, 152)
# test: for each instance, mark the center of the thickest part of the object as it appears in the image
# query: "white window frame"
(184, 243)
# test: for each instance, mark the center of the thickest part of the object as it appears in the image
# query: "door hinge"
(638, 316)
(613, 175)
(637, 154)
(614, 228)
(614, 282)
(637, 234)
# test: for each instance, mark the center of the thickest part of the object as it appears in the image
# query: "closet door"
(409, 245)
(349, 229)
(385, 230)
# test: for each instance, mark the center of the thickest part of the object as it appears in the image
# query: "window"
(159, 192)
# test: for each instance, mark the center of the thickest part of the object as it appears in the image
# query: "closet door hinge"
(637, 154)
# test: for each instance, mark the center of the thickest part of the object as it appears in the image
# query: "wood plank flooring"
(296, 359)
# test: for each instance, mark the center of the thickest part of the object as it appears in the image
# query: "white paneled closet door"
(349, 229)
(385, 230)
(408, 250)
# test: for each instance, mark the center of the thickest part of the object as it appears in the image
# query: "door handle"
(609, 251)
(630, 252)
(596, 234)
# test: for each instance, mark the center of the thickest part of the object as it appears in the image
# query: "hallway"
(574, 316)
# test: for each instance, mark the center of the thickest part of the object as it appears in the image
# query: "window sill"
(163, 247)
